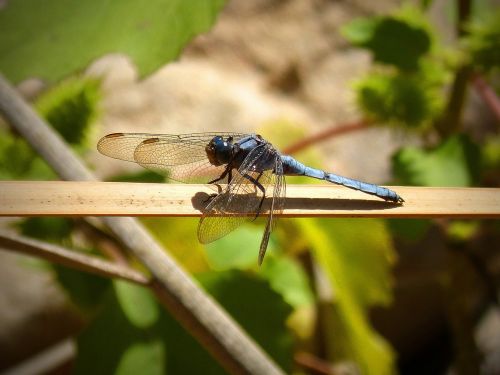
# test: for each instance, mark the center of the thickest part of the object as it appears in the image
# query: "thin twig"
(313, 364)
(323, 135)
(203, 317)
(103, 241)
(60, 255)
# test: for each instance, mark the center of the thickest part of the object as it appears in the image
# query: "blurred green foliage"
(482, 42)
(71, 107)
(455, 162)
(403, 99)
(127, 328)
(54, 38)
(386, 37)
(131, 331)
(356, 257)
(405, 87)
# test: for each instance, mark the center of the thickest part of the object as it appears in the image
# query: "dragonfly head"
(219, 151)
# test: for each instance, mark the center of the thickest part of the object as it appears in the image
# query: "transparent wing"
(277, 206)
(179, 157)
(242, 198)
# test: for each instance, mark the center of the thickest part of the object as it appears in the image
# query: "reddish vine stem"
(323, 135)
(313, 364)
(487, 94)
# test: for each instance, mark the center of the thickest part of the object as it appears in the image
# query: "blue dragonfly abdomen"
(292, 167)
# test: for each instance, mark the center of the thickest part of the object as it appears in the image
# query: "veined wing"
(179, 157)
(241, 199)
(277, 206)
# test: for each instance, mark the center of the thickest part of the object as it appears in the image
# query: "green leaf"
(288, 279)
(410, 230)
(113, 342)
(71, 107)
(18, 160)
(83, 289)
(391, 40)
(179, 236)
(110, 343)
(360, 31)
(238, 249)
(252, 303)
(138, 304)
(145, 358)
(483, 41)
(260, 311)
(52, 39)
(462, 231)
(407, 100)
(355, 256)
(455, 162)
(54, 229)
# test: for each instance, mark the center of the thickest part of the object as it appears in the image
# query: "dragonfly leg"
(256, 182)
(224, 174)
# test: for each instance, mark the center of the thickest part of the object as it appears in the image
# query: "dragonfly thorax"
(219, 151)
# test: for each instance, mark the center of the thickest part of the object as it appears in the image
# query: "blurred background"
(404, 93)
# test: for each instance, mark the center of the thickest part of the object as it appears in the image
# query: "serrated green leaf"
(16, 157)
(145, 358)
(400, 99)
(18, 161)
(391, 40)
(71, 107)
(356, 256)
(455, 162)
(138, 303)
(483, 41)
(52, 39)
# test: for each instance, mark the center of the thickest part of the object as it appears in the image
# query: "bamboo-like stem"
(203, 317)
(63, 198)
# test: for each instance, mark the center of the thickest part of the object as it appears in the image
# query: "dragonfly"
(250, 168)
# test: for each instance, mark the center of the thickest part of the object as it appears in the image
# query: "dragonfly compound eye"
(219, 151)
(210, 150)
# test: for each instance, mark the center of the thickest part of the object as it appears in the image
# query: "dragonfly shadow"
(247, 203)
(338, 204)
